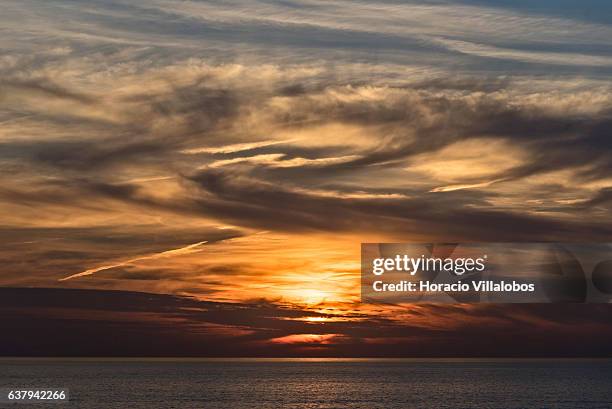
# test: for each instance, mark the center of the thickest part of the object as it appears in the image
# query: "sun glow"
(309, 296)
(317, 319)
(282, 268)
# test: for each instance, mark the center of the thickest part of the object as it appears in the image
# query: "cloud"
(277, 160)
(124, 323)
(203, 145)
(452, 188)
(48, 254)
(130, 129)
(191, 248)
(239, 147)
(525, 56)
(240, 201)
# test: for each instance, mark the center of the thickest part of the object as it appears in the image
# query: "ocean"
(316, 383)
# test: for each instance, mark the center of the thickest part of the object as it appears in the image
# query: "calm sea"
(317, 383)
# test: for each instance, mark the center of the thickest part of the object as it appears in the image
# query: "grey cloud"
(259, 205)
(85, 156)
(243, 193)
(43, 87)
(47, 254)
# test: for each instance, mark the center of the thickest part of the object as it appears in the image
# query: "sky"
(232, 156)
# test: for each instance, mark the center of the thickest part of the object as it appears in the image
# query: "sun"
(311, 296)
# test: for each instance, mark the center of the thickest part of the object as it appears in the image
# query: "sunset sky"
(227, 158)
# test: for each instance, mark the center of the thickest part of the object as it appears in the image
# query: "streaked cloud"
(452, 188)
(543, 57)
(284, 133)
(168, 253)
(239, 147)
(145, 324)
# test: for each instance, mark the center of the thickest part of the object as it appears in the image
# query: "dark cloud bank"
(113, 323)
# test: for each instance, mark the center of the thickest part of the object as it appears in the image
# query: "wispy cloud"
(133, 128)
(452, 188)
(192, 248)
(238, 147)
(543, 57)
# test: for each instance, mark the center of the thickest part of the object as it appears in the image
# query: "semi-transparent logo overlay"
(486, 272)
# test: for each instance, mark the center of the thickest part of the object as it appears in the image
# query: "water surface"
(317, 383)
